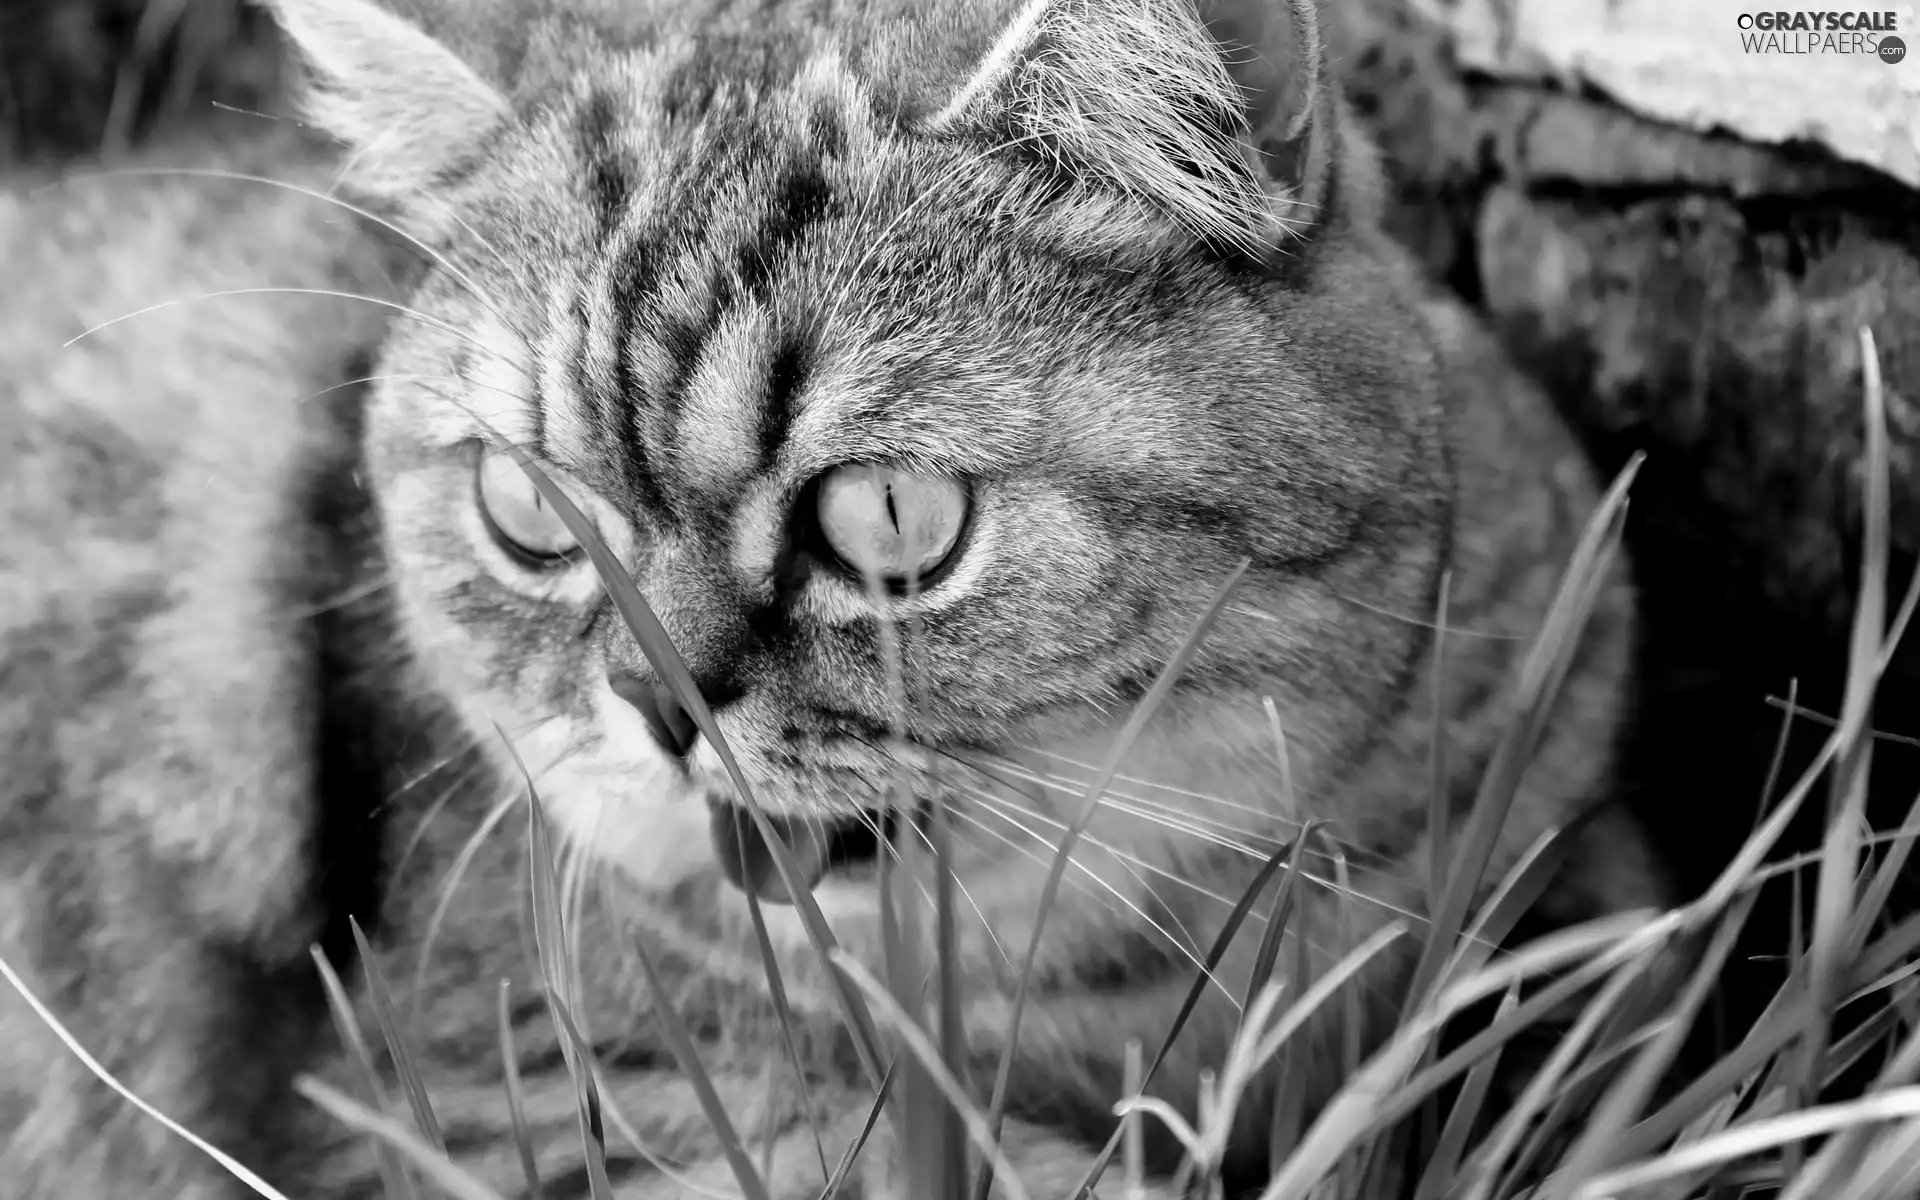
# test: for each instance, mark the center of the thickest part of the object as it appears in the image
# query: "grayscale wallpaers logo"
(1866, 34)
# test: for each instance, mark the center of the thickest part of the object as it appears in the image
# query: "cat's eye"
(518, 516)
(894, 524)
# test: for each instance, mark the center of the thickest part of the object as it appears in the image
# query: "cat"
(1002, 331)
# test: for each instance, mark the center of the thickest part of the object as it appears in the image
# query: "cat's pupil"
(517, 515)
(888, 523)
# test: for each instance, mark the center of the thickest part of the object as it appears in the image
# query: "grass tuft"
(1603, 1117)
(397, 1050)
(517, 1097)
(394, 1176)
(1050, 891)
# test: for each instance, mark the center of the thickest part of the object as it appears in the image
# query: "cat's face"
(777, 345)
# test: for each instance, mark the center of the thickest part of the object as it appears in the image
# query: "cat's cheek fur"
(603, 779)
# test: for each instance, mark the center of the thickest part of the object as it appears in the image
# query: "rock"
(1724, 335)
(1682, 242)
(1709, 65)
(1692, 294)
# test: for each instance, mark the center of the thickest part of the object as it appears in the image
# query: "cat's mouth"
(818, 846)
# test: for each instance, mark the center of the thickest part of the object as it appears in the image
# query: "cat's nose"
(671, 724)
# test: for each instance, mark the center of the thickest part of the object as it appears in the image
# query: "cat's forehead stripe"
(701, 368)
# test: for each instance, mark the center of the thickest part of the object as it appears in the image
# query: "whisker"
(437, 376)
(1264, 814)
(1118, 904)
(1001, 772)
(453, 788)
(396, 306)
(345, 598)
(1008, 811)
(1105, 901)
(886, 848)
(676, 1172)
(1250, 836)
(1184, 949)
(431, 253)
(1332, 886)
(1255, 915)
(455, 873)
(1344, 598)
(1146, 885)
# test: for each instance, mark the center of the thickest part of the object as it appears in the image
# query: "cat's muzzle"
(817, 845)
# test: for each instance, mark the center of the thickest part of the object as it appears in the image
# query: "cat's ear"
(1215, 111)
(406, 106)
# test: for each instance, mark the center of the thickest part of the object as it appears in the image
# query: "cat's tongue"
(748, 861)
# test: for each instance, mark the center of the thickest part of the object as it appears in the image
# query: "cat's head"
(1045, 315)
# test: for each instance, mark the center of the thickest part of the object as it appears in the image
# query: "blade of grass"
(1849, 1146)
(1777, 1027)
(1241, 1068)
(94, 1067)
(666, 662)
(783, 1014)
(1514, 1126)
(1755, 1138)
(393, 1136)
(1345, 1120)
(1891, 1169)
(397, 1049)
(1541, 674)
(680, 1044)
(1248, 1057)
(1847, 1051)
(917, 1043)
(1874, 897)
(593, 1131)
(920, 1113)
(953, 1044)
(1778, 762)
(1846, 802)
(931, 1135)
(550, 947)
(841, 1172)
(1444, 1161)
(394, 1177)
(517, 1099)
(1522, 887)
(1604, 942)
(1288, 1121)
(1593, 1152)
(1050, 890)
(1439, 790)
(1133, 1144)
(1439, 843)
(550, 939)
(1623, 1035)
(1291, 852)
(946, 1148)
(1268, 952)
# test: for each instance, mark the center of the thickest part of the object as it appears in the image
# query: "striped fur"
(694, 257)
